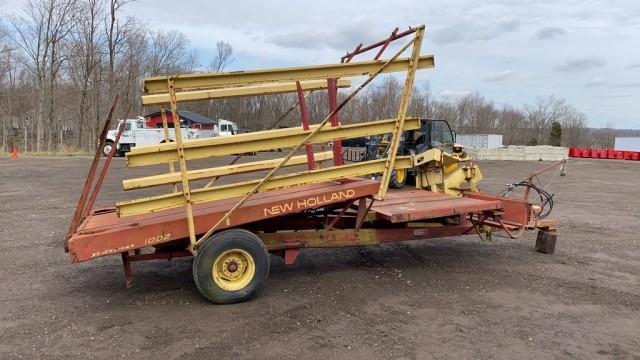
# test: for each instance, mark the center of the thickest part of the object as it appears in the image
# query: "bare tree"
(168, 54)
(445, 111)
(606, 137)
(575, 130)
(475, 114)
(384, 99)
(512, 123)
(40, 33)
(86, 46)
(544, 112)
(115, 38)
(72, 56)
(5, 82)
(421, 104)
(222, 58)
(131, 62)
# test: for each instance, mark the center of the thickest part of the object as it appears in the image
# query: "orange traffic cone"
(14, 153)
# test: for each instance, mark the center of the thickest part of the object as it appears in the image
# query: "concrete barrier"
(520, 153)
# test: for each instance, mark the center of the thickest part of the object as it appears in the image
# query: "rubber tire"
(393, 180)
(546, 241)
(108, 142)
(219, 243)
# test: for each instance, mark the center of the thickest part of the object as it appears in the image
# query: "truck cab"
(226, 127)
(136, 133)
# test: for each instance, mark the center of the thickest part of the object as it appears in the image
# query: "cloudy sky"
(587, 51)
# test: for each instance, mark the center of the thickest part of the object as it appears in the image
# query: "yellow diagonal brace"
(261, 140)
(163, 202)
(186, 191)
(402, 112)
(249, 90)
(199, 174)
(158, 85)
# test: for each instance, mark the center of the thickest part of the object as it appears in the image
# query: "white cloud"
(628, 84)
(633, 65)
(549, 32)
(616, 95)
(451, 93)
(472, 31)
(500, 76)
(595, 81)
(580, 64)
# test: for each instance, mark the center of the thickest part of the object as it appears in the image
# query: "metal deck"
(415, 204)
(104, 233)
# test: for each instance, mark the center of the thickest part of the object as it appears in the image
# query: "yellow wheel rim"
(400, 176)
(233, 269)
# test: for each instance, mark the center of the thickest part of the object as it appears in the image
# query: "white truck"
(226, 128)
(136, 134)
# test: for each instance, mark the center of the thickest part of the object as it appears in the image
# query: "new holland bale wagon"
(231, 229)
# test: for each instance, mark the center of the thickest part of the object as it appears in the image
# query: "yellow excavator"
(439, 164)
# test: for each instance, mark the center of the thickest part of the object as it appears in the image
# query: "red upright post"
(335, 119)
(105, 168)
(311, 163)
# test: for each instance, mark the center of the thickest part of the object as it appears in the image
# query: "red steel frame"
(332, 89)
(304, 118)
(332, 92)
(104, 233)
(105, 168)
(307, 216)
(382, 44)
(80, 208)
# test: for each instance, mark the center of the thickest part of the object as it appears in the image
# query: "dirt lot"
(448, 298)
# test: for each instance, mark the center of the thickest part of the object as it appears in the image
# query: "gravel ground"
(447, 298)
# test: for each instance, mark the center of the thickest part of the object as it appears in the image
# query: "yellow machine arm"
(442, 172)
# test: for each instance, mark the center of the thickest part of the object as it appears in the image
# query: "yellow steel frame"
(307, 140)
(167, 139)
(250, 90)
(191, 82)
(402, 112)
(257, 141)
(186, 191)
(192, 87)
(177, 199)
(164, 179)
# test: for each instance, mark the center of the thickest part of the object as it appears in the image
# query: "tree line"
(63, 61)
(547, 121)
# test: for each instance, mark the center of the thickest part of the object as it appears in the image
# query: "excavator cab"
(434, 140)
(432, 134)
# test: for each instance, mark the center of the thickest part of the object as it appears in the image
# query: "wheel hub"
(233, 269)
(233, 266)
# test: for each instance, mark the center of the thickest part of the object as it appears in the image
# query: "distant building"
(189, 119)
(480, 141)
(631, 143)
